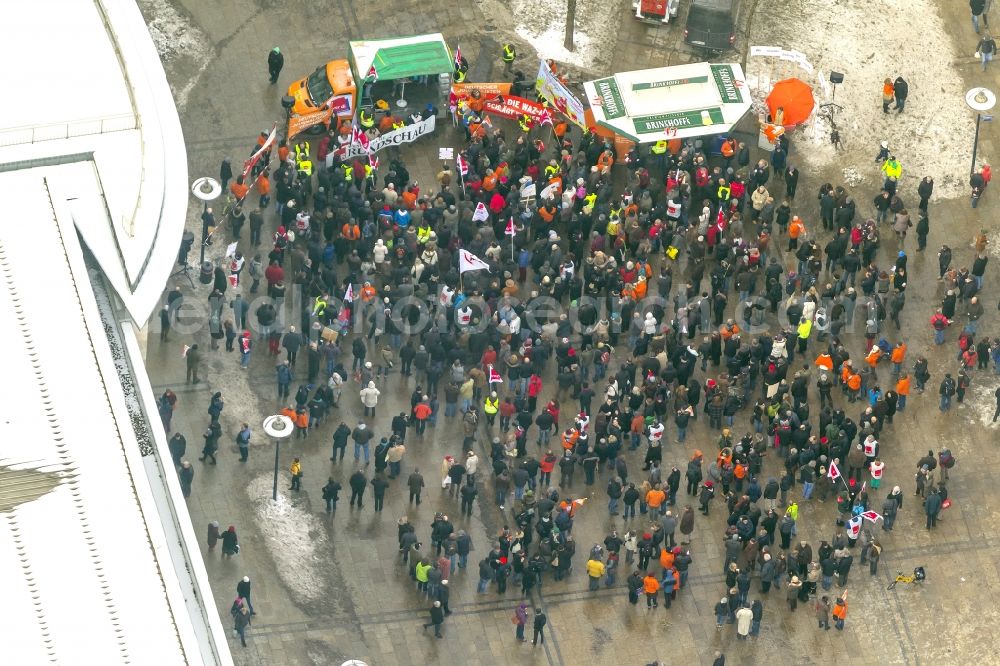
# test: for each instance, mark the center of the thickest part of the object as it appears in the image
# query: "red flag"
(511, 230)
(372, 73)
(545, 118)
(870, 515)
(834, 472)
(495, 376)
(458, 56)
(463, 166)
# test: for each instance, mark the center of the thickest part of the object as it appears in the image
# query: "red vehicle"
(656, 11)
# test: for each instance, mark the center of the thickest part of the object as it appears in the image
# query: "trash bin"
(207, 273)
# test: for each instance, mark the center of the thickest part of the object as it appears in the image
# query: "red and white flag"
(495, 376)
(834, 472)
(373, 160)
(481, 213)
(359, 137)
(870, 515)
(545, 118)
(372, 73)
(511, 230)
(470, 262)
(463, 166)
(458, 56)
(349, 294)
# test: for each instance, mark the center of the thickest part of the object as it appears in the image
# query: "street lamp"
(277, 427)
(979, 100)
(206, 189)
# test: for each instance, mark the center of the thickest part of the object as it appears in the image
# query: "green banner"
(667, 84)
(662, 122)
(611, 98)
(725, 81)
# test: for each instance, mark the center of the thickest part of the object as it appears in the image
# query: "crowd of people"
(681, 302)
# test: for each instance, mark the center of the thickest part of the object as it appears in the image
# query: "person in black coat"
(900, 90)
(331, 493)
(437, 619)
(243, 591)
(358, 483)
(275, 61)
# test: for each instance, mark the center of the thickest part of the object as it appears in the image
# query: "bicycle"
(828, 110)
(917, 576)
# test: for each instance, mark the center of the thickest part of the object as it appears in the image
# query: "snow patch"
(980, 402)
(181, 44)
(295, 538)
(933, 136)
(543, 25)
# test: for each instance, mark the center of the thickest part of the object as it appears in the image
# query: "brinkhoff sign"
(726, 82)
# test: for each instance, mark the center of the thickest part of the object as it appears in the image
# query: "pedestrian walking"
(520, 619)
(275, 61)
(437, 619)
(230, 543)
(839, 612)
(539, 627)
(243, 441)
(331, 493)
(243, 591)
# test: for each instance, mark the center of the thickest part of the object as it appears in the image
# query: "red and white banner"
(509, 106)
(463, 166)
(495, 376)
(252, 162)
(870, 515)
(470, 262)
(511, 230)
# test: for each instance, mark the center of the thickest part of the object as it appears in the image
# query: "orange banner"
(486, 90)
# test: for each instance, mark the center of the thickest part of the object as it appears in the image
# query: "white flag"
(481, 213)
(349, 294)
(470, 262)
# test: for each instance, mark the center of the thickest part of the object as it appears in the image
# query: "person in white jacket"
(369, 398)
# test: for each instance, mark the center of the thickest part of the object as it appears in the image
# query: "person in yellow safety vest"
(367, 119)
(348, 172)
(659, 152)
(552, 170)
(423, 233)
(526, 123)
(722, 194)
(368, 171)
(508, 55)
(490, 407)
(304, 166)
(615, 213)
(301, 151)
(589, 201)
(398, 123)
(319, 306)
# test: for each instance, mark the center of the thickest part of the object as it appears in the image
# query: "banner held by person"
(407, 134)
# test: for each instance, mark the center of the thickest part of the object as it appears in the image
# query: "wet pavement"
(327, 588)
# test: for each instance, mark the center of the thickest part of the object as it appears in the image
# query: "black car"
(711, 24)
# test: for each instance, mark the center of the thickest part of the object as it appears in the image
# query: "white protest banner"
(446, 154)
(555, 93)
(407, 134)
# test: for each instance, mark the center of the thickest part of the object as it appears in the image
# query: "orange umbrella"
(795, 98)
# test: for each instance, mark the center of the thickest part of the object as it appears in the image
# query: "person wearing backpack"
(946, 391)
(946, 461)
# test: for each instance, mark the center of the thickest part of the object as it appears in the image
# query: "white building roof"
(96, 96)
(99, 561)
(81, 573)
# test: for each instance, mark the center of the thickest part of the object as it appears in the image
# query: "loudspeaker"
(836, 77)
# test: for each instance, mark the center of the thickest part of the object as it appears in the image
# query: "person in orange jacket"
(903, 390)
(840, 612)
(795, 230)
(651, 587)
(898, 356)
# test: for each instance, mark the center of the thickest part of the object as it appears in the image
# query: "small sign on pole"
(446, 154)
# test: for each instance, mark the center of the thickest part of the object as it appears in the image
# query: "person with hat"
(243, 591)
(275, 61)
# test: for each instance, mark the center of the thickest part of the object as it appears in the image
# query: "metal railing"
(67, 130)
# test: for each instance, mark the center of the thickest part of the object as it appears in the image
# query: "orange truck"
(327, 93)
